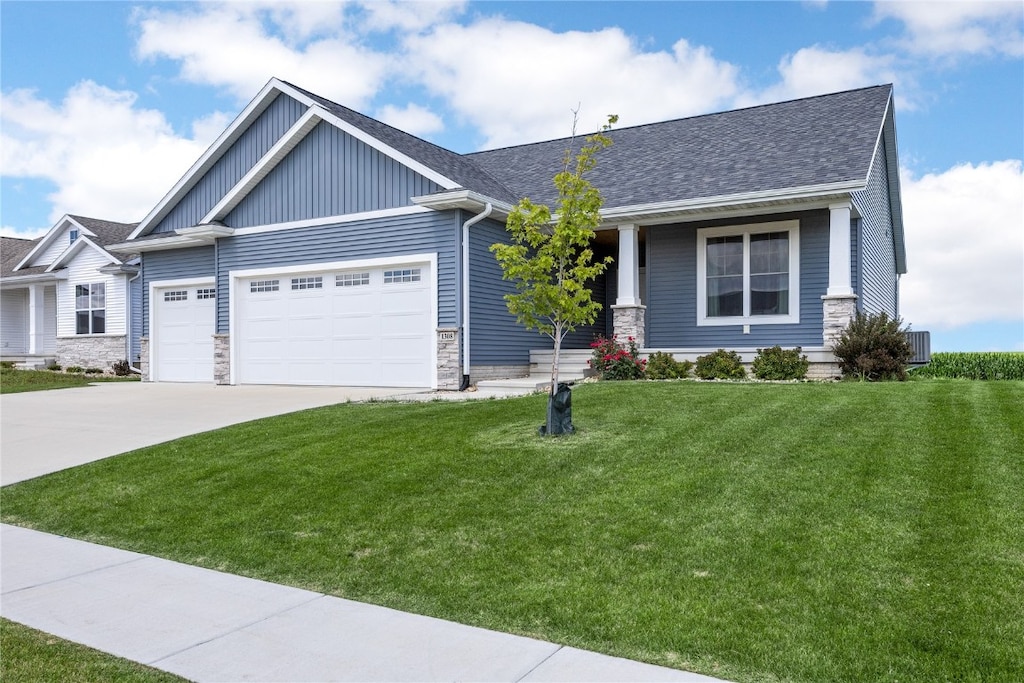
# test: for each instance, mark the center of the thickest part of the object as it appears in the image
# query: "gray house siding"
(173, 264)
(329, 173)
(135, 317)
(495, 338)
(377, 238)
(877, 281)
(235, 163)
(672, 289)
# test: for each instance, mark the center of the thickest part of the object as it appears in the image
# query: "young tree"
(550, 259)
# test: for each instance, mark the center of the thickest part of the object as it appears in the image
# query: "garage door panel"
(363, 333)
(182, 331)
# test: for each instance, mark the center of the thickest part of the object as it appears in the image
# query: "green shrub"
(55, 367)
(121, 368)
(720, 364)
(874, 347)
(987, 365)
(7, 364)
(94, 371)
(615, 361)
(778, 363)
(75, 369)
(661, 365)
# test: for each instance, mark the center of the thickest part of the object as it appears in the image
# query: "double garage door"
(345, 327)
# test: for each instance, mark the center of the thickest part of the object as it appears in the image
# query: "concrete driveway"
(47, 431)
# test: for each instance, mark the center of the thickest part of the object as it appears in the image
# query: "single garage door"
(184, 326)
(364, 327)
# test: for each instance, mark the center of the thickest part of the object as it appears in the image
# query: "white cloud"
(953, 28)
(239, 46)
(24, 233)
(412, 119)
(965, 246)
(384, 15)
(517, 82)
(108, 158)
(817, 70)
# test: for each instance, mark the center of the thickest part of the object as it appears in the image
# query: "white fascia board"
(299, 130)
(207, 233)
(158, 244)
(462, 198)
(51, 235)
(387, 150)
(76, 247)
(255, 107)
(331, 220)
(16, 281)
(675, 209)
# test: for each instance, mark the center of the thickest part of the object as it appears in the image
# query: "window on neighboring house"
(72, 236)
(90, 309)
(748, 274)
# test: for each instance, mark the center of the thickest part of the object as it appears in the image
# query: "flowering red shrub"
(615, 361)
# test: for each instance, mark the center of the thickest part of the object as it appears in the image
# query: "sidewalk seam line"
(236, 629)
(540, 663)
(79, 575)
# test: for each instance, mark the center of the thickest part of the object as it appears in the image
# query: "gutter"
(128, 319)
(465, 291)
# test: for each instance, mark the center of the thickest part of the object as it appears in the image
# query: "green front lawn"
(757, 532)
(13, 381)
(30, 656)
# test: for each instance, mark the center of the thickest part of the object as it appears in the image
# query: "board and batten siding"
(173, 264)
(495, 338)
(672, 289)
(876, 282)
(84, 269)
(258, 138)
(329, 173)
(135, 319)
(427, 232)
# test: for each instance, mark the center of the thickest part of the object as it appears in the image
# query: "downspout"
(465, 291)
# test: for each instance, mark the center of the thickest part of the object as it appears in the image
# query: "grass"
(756, 532)
(30, 656)
(14, 381)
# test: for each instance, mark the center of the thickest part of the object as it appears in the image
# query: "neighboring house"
(64, 298)
(313, 245)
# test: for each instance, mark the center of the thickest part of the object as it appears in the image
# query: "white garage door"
(184, 326)
(365, 327)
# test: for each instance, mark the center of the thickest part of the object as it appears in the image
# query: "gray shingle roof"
(799, 143)
(107, 232)
(12, 250)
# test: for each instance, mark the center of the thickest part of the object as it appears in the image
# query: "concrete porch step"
(535, 382)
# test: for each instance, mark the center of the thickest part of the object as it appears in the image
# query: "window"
(72, 236)
(352, 279)
(176, 295)
(206, 293)
(404, 275)
(263, 286)
(748, 274)
(90, 309)
(308, 282)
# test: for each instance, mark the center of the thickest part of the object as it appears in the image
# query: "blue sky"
(105, 104)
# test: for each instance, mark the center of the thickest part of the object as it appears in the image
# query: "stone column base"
(839, 311)
(629, 321)
(449, 358)
(144, 358)
(91, 351)
(222, 359)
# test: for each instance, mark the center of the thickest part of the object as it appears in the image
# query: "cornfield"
(987, 365)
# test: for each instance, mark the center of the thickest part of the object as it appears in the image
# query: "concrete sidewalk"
(210, 626)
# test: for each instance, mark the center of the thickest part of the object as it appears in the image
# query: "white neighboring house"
(64, 298)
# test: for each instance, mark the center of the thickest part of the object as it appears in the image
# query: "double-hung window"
(90, 309)
(749, 274)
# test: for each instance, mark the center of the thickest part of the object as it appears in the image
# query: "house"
(65, 298)
(313, 245)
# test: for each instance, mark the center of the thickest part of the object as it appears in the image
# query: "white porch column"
(629, 266)
(839, 281)
(35, 318)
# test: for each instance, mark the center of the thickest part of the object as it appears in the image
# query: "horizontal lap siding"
(877, 282)
(434, 232)
(14, 321)
(84, 269)
(672, 289)
(173, 264)
(329, 173)
(266, 130)
(495, 338)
